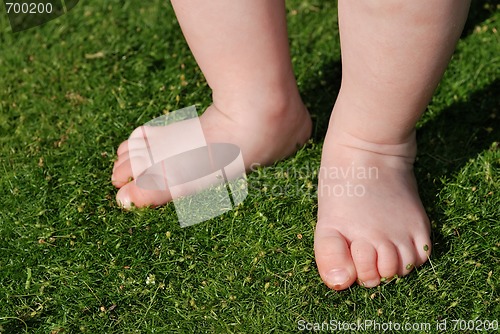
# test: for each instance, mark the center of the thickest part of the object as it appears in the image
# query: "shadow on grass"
(447, 143)
(320, 98)
(320, 93)
(480, 10)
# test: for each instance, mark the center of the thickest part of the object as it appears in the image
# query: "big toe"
(333, 258)
(131, 194)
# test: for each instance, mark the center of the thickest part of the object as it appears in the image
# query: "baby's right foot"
(264, 135)
(371, 222)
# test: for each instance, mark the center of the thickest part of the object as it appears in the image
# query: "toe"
(333, 259)
(423, 249)
(122, 171)
(132, 194)
(129, 165)
(364, 256)
(407, 258)
(120, 158)
(122, 148)
(387, 260)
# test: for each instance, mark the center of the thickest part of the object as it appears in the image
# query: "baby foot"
(371, 222)
(264, 136)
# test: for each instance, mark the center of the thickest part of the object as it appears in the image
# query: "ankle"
(271, 102)
(406, 148)
(373, 123)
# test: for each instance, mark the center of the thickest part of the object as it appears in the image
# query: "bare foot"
(371, 222)
(264, 136)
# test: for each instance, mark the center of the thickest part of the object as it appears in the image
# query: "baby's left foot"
(264, 135)
(371, 222)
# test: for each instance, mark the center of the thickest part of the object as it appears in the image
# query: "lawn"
(71, 261)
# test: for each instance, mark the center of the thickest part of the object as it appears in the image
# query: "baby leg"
(371, 222)
(242, 49)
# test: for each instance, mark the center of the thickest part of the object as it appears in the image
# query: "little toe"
(132, 194)
(122, 148)
(423, 247)
(333, 259)
(364, 256)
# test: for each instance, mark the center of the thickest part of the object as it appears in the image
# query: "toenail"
(409, 266)
(371, 283)
(426, 248)
(124, 202)
(387, 280)
(337, 277)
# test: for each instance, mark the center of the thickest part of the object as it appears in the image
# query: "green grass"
(71, 261)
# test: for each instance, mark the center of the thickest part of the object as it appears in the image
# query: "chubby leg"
(371, 222)
(242, 49)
